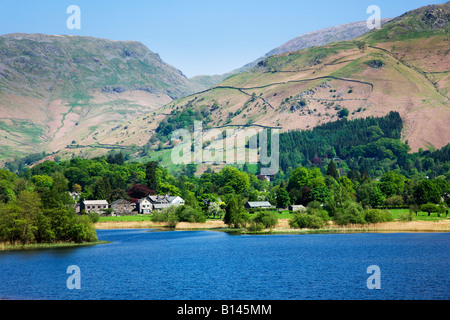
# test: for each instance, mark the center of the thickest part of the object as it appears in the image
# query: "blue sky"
(196, 36)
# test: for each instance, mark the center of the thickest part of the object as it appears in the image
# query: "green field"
(139, 217)
(286, 214)
(421, 216)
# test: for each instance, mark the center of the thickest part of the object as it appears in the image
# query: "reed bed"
(283, 226)
(396, 226)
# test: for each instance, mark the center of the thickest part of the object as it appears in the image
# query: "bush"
(267, 219)
(189, 214)
(255, 226)
(376, 63)
(303, 220)
(319, 212)
(166, 215)
(429, 208)
(82, 230)
(343, 113)
(377, 215)
(406, 216)
(394, 201)
(350, 212)
(94, 216)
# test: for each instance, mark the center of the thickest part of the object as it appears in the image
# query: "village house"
(144, 206)
(158, 202)
(166, 199)
(258, 205)
(98, 206)
(299, 208)
(122, 207)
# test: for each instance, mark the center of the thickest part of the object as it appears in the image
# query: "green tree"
(427, 192)
(343, 113)
(332, 171)
(214, 210)
(30, 205)
(392, 183)
(189, 214)
(282, 198)
(369, 194)
(42, 181)
(102, 189)
(235, 214)
(394, 201)
(304, 220)
(238, 180)
(320, 193)
(349, 212)
(266, 218)
(429, 208)
(82, 230)
(377, 215)
(151, 175)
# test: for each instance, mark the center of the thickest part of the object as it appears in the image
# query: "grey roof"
(162, 199)
(259, 204)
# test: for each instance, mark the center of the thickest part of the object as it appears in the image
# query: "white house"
(176, 200)
(163, 201)
(144, 206)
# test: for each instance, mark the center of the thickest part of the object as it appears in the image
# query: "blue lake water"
(208, 265)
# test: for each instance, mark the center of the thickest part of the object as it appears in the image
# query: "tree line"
(350, 168)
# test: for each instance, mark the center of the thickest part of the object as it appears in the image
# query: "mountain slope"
(322, 37)
(379, 72)
(59, 89)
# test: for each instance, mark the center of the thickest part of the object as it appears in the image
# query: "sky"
(198, 37)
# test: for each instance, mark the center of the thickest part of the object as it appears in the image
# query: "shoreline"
(32, 246)
(218, 225)
(283, 227)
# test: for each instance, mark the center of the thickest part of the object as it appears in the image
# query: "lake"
(212, 265)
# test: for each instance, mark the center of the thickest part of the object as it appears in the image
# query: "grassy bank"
(8, 247)
(442, 225)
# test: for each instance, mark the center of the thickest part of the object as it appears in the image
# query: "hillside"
(402, 67)
(322, 37)
(58, 89)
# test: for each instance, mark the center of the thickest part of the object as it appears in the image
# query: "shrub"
(394, 201)
(406, 216)
(429, 208)
(343, 113)
(303, 220)
(189, 214)
(267, 219)
(165, 215)
(94, 216)
(82, 230)
(376, 63)
(350, 212)
(377, 215)
(315, 209)
(255, 226)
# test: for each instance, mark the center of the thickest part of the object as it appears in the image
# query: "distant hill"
(55, 90)
(322, 37)
(402, 67)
